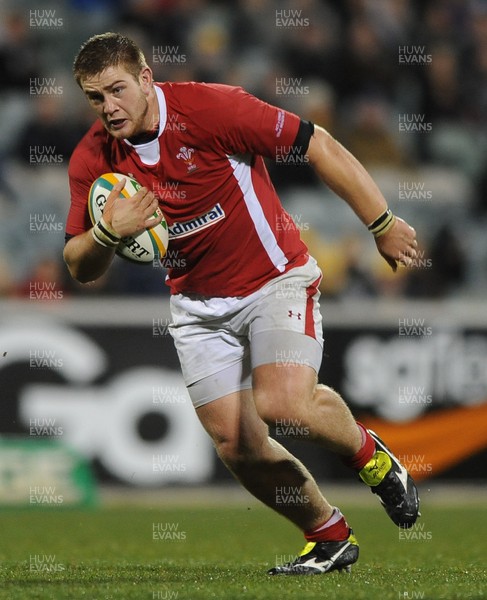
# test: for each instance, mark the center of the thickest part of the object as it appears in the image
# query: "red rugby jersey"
(228, 232)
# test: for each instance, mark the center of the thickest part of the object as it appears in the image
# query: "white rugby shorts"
(220, 340)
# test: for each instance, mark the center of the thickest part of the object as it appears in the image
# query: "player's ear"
(146, 80)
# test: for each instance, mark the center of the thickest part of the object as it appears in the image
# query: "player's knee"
(237, 456)
(282, 394)
(228, 452)
(274, 410)
(324, 394)
(321, 388)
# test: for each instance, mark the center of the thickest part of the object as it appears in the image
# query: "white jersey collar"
(149, 153)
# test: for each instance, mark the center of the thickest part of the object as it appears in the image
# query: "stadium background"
(402, 84)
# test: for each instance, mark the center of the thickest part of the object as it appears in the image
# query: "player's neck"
(144, 137)
(151, 123)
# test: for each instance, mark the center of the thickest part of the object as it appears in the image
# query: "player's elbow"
(77, 273)
(81, 277)
(75, 267)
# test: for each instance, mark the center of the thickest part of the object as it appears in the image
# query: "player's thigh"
(234, 425)
(286, 325)
(284, 374)
(283, 392)
(214, 359)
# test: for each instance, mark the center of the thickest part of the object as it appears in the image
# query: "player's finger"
(405, 259)
(151, 209)
(154, 220)
(117, 188)
(141, 194)
(148, 199)
(391, 262)
(120, 185)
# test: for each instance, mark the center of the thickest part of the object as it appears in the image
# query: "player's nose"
(109, 107)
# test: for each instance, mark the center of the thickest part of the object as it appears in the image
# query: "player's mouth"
(117, 124)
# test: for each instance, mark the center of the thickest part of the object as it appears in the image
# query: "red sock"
(366, 452)
(335, 529)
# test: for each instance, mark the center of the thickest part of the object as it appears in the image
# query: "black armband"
(303, 137)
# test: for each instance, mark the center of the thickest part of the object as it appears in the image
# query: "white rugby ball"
(145, 246)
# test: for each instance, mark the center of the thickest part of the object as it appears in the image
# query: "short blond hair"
(108, 50)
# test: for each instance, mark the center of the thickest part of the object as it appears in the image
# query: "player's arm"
(86, 259)
(89, 255)
(343, 173)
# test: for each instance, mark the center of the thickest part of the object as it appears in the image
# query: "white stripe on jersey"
(243, 175)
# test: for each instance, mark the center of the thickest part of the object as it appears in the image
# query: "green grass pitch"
(193, 553)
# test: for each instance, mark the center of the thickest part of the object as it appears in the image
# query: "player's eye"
(95, 98)
(117, 90)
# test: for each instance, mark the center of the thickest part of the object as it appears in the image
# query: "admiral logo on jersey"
(179, 230)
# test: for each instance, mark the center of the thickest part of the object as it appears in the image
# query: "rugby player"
(246, 292)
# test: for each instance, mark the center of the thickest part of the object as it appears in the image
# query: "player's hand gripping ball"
(144, 247)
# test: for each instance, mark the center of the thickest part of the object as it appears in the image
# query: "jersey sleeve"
(78, 220)
(242, 123)
(86, 164)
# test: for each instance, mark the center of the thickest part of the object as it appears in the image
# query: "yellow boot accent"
(309, 546)
(376, 469)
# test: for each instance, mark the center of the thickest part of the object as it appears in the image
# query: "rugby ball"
(143, 247)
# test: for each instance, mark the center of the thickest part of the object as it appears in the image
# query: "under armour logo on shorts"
(290, 314)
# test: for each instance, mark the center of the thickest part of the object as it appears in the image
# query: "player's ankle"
(333, 529)
(364, 454)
